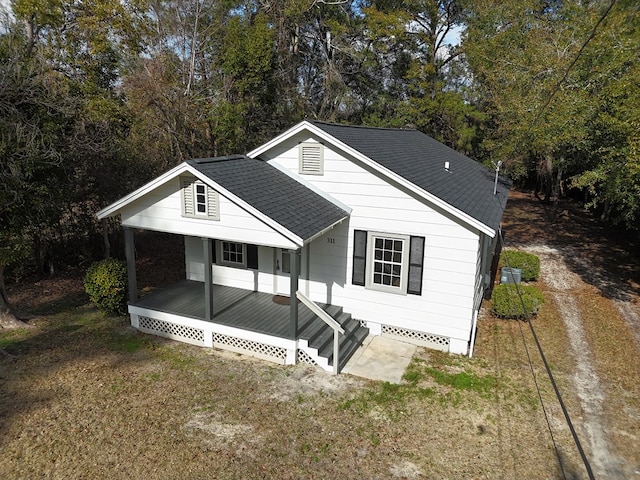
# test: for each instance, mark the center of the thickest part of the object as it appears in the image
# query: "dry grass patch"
(613, 348)
(88, 397)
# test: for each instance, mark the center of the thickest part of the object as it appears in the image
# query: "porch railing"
(329, 320)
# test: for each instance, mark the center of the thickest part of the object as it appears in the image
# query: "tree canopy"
(99, 96)
(559, 82)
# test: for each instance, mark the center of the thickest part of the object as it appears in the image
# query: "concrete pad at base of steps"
(381, 358)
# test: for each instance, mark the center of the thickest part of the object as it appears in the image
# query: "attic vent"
(311, 158)
(199, 200)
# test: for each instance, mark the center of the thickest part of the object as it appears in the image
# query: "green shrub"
(527, 262)
(506, 303)
(106, 285)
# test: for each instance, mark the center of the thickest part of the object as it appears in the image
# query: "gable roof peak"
(319, 123)
(204, 161)
(417, 158)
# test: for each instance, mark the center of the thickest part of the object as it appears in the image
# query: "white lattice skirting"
(174, 331)
(304, 357)
(250, 347)
(437, 342)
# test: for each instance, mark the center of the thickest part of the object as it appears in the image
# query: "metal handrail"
(329, 320)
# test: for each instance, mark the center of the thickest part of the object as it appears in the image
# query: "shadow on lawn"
(602, 256)
(59, 346)
(71, 334)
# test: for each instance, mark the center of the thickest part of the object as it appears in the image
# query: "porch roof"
(287, 206)
(273, 193)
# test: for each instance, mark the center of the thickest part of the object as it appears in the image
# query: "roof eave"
(280, 138)
(447, 207)
(325, 230)
(117, 206)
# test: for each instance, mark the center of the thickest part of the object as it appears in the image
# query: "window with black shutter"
(388, 262)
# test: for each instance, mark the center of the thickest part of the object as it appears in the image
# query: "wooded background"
(99, 96)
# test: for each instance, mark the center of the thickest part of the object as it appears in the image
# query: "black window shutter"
(416, 260)
(359, 257)
(213, 254)
(252, 256)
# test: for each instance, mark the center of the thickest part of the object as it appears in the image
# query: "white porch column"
(208, 280)
(294, 261)
(130, 253)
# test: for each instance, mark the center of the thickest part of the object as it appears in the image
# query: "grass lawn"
(88, 397)
(85, 396)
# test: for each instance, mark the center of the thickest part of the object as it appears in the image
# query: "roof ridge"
(370, 127)
(226, 158)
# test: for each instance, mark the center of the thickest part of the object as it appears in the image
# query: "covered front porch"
(249, 322)
(234, 307)
(241, 218)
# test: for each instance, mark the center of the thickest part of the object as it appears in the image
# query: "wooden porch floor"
(234, 307)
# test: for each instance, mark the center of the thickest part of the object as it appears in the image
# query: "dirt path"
(592, 274)
(589, 388)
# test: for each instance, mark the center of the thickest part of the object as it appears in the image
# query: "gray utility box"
(510, 275)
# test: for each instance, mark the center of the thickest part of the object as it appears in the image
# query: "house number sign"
(331, 240)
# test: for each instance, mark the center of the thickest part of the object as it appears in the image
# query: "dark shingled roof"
(272, 192)
(418, 158)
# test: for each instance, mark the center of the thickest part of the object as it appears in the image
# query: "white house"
(376, 231)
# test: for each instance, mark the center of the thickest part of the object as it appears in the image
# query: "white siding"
(451, 250)
(161, 210)
(261, 280)
(257, 280)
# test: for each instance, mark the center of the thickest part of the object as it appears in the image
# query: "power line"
(572, 64)
(574, 434)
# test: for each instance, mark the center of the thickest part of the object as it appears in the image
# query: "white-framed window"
(387, 262)
(199, 200)
(233, 254)
(311, 158)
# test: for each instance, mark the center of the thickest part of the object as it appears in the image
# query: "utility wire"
(574, 434)
(572, 64)
(544, 408)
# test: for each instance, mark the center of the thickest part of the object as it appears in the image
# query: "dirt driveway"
(593, 282)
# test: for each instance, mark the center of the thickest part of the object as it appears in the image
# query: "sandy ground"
(583, 270)
(587, 384)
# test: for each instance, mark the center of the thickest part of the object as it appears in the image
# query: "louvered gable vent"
(199, 200)
(311, 158)
(187, 198)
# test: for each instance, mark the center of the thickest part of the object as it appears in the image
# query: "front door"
(283, 281)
